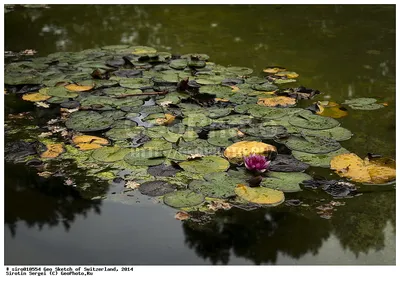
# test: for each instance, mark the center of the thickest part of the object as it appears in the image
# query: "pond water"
(344, 51)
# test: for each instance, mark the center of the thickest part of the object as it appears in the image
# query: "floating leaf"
(287, 74)
(196, 120)
(237, 151)
(110, 154)
(280, 101)
(285, 181)
(216, 185)
(331, 109)
(260, 195)
(35, 97)
(266, 132)
(312, 144)
(205, 165)
(156, 188)
(89, 139)
(181, 215)
(87, 121)
(337, 133)
(79, 87)
(198, 146)
(376, 171)
(287, 163)
(53, 151)
(306, 119)
(273, 69)
(143, 157)
(319, 160)
(140, 50)
(181, 199)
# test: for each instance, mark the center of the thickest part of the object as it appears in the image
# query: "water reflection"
(262, 236)
(39, 201)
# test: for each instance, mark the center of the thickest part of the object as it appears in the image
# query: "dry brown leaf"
(42, 105)
(181, 215)
(45, 134)
(221, 100)
(89, 139)
(132, 185)
(45, 174)
(53, 151)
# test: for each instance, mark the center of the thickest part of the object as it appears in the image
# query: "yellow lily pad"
(53, 151)
(330, 109)
(238, 150)
(273, 70)
(375, 171)
(88, 146)
(260, 195)
(89, 139)
(277, 101)
(35, 97)
(78, 88)
(287, 74)
(168, 119)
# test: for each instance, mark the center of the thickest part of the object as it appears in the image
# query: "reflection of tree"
(39, 201)
(257, 235)
(261, 235)
(360, 224)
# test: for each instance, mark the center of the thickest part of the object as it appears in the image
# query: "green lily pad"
(110, 154)
(266, 132)
(135, 83)
(179, 64)
(220, 91)
(124, 133)
(285, 181)
(58, 91)
(87, 121)
(218, 112)
(259, 111)
(196, 63)
(242, 71)
(205, 165)
(216, 185)
(318, 160)
(234, 120)
(196, 120)
(157, 145)
(268, 87)
(308, 120)
(156, 188)
(114, 115)
(140, 50)
(363, 104)
(203, 57)
(184, 198)
(175, 155)
(198, 146)
(337, 133)
(140, 156)
(312, 144)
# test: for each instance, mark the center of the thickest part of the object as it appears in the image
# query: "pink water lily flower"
(257, 163)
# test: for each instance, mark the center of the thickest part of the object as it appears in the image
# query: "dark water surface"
(344, 51)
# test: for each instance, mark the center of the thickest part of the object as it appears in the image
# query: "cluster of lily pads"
(179, 127)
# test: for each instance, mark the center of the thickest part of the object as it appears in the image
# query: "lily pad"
(196, 120)
(205, 165)
(35, 97)
(140, 156)
(58, 91)
(319, 160)
(156, 188)
(110, 154)
(184, 198)
(88, 121)
(266, 132)
(285, 181)
(363, 104)
(337, 133)
(287, 163)
(216, 185)
(237, 151)
(124, 133)
(376, 171)
(260, 195)
(279, 101)
(312, 144)
(198, 146)
(306, 119)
